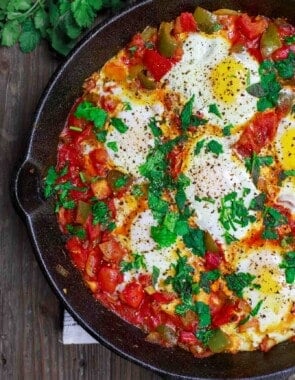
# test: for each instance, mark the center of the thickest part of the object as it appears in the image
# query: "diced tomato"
(98, 156)
(258, 133)
(156, 64)
(281, 53)
(98, 159)
(187, 337)
(175, 159)
(93, 231)
(286, 30)
(185, 23)
(92, 262)
(65, 216)
(136, 49)
(109, 278)
(112, 251)
(163, 297)
(77, 252)
(224, 315)
(145, 279)
(212, 260)
(108, 103)
(132, 294)
(68, 153)
(251, 28)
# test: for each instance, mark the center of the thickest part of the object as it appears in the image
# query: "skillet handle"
(26, 188)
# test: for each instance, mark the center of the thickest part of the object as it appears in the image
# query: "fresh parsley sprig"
(60, 22)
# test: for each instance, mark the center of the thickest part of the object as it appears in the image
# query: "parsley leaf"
(233, 212)
(272, 218)
(76, 231)
(290, 40)
(207, 278)
(163, 236)
(186, 113)
(195, 240)
(113, 146)
(286, 67)
(155, 275)
(30, 36)
(203, 312)
(88, 111)
(213, 108)
(156, 131)
(214, 147)
(101, 213)
(258, 202)
(119, 125)
(254, 163)
(237, 282)
(288, 264)
(137, 262)
(226, 131)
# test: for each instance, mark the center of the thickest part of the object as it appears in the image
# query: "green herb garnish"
(213, 108)
(119, 124)
(288, 264)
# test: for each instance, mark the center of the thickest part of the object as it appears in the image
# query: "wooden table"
(30, 314)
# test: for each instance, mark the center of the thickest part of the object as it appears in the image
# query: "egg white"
(205, 56)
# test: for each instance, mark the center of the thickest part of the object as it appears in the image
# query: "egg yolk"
(228, 79)
(268, 282)
(288, 149)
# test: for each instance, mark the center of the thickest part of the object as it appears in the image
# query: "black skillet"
(65, 86)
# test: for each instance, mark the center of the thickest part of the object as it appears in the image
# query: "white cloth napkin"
(73, 333)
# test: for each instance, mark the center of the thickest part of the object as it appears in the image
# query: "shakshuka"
(175, 182)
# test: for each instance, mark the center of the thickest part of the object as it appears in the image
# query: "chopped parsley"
(76, 231)
(163, 236)
(288, 264)
(226, 131)
(253, 313)
(50, 180)
(233, 212)
(121, 181)
(237, 282)
(204, 199)
(286, 67)
(213, 108)
(187, 118)
(113, 146)
(267, 90)
(101, 136)
(207, 278)
(137, 262)
(194, 240)
(258, 202)
(156, 131)
(272, 218)
(119, 124)
(127, 106)
(186, 113)
(155, 275)
(101, 214)
(254, 163)
(137, 191)
(212, 146)
(90, 112)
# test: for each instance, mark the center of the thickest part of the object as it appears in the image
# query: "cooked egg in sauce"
(176, 185)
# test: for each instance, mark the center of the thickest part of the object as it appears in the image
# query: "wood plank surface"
(30, 313)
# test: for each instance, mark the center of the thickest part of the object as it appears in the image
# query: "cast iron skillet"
(65, 86)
